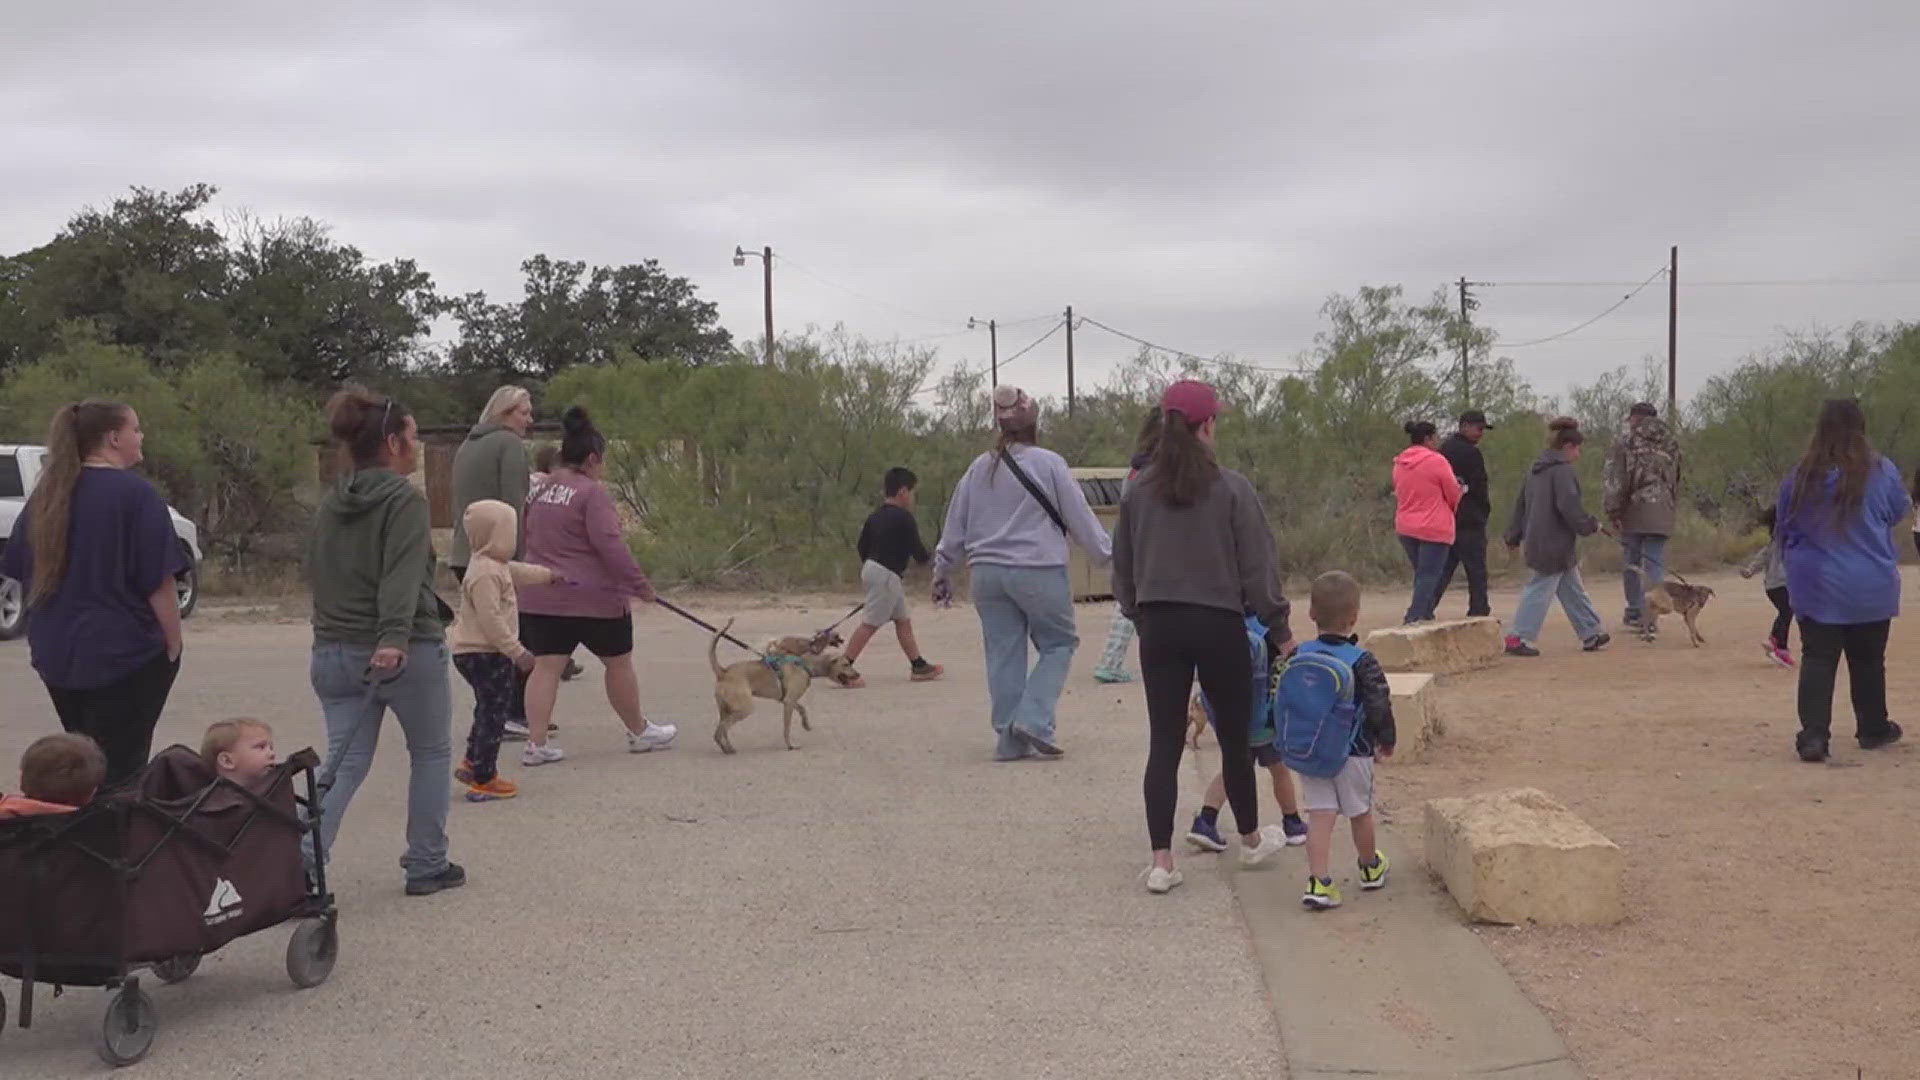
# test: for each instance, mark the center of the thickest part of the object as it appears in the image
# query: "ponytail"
(1182, 467)
(1564, 432)
(75, 434)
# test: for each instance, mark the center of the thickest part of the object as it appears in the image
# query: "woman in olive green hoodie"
(492, 464)
(379, 630)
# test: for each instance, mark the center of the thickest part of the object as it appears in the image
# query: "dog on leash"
(795, 645)
(1674, 598)
(776, 677)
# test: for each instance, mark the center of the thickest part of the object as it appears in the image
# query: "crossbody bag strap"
(1033, 489)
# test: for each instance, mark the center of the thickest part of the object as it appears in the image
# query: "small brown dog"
(1196, 721)
(1674, 598)
(780, 678)
(795, 645)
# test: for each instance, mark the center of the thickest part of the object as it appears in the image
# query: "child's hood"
(19, 806)
(492, 528)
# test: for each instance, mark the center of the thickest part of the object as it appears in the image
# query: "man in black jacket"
(1462, 451)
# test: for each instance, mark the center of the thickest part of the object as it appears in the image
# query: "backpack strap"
(1033, 489)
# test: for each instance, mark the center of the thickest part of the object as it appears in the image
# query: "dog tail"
(713, 649)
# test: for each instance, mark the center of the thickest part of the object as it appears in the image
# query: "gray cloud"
(1201, 174)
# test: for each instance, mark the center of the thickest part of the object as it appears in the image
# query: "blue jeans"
(1648, 550)
(1566, 584)
(1017, 604)
(423, 703)
(1429, 560)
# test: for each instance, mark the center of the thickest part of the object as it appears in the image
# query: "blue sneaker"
(1295, 828)
(1205, 835)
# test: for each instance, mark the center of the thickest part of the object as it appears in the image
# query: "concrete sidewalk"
(1392, 984)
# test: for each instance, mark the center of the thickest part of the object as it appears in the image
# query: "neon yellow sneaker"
(1375, 876)
(1321, 894)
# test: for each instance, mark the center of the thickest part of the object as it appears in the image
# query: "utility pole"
(1069, 359)
(1673, 332)
(993, 350)
(766, 258)
(765, 255)
(1467, 303)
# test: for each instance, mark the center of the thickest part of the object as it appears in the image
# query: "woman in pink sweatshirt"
(1427, 494)
(574, 530)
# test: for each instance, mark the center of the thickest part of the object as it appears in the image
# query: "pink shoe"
(1778, 654)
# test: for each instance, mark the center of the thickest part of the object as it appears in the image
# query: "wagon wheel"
(126, 1032)
(311, 951)
(178, 969)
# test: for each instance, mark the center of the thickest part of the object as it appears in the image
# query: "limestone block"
(1518, 857)
(1442, 647)
(1416, 715)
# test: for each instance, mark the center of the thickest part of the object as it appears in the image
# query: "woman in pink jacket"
(574, 530)
(1427, 493)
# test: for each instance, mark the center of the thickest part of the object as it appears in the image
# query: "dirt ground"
(1771, 929)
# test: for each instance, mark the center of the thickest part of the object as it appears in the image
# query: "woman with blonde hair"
(96, 553)
(492, 464)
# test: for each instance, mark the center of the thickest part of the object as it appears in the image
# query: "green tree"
(571, 315)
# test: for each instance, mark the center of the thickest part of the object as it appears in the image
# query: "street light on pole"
(993, 348)
(765, 255)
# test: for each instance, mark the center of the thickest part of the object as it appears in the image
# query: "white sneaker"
(656, 737)
(515, 731)
(535, 754)
(1162, 881)
(1273, 840)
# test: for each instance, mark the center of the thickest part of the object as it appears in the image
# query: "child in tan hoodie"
(485, 639)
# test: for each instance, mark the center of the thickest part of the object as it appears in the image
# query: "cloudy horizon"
(1202, 177)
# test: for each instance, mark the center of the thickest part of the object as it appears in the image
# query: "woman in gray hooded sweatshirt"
(1549, 519)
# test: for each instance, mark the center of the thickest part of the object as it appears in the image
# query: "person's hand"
(1746, 572)
(524, 661)
(388, 658)
(174, 649)
(1281, 649)
(942, 593)
(1384, 753)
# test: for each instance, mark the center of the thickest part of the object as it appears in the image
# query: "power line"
(1033, 344)
(1196, 357)
(1617, 304)
(1782, 283)
(824, 280)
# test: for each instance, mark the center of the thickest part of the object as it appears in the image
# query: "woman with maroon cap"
(1192, 556)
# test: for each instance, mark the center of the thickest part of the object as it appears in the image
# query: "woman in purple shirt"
(96, 553)
(573, 528)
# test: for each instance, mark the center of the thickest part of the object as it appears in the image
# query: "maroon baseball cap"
(1194, 399)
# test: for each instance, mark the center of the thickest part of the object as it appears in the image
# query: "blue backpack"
(1317, 707)
(1260, 726)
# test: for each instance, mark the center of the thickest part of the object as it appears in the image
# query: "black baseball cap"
(1643, 408)
(1475, 416)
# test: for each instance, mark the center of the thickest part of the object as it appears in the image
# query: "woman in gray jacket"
(1549, 519)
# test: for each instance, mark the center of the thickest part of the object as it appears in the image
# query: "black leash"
(707, 626)
(857, 609)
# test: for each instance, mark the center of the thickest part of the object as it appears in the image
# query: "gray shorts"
(886, 595)
(1350, 792)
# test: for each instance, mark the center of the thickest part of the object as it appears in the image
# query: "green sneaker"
(1321, 894)
(1375, 876)
(1102, 675)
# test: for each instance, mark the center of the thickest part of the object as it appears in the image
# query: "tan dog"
(784, 679)
(1675, 598)
(795, 645)
(1196, 721)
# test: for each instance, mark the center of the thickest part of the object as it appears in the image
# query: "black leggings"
(1783, 621)
(1176, 642)
(120, 716)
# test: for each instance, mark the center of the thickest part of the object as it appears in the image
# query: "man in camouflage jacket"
(1641, 494)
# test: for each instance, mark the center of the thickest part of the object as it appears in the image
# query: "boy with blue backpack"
(1204, 834)
(1335, 717)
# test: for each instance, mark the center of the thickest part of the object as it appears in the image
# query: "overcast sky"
(1199, 174)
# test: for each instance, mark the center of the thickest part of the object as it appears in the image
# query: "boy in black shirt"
(890, 537)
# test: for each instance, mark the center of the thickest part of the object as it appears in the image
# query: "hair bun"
(1411, 427)
(576, 419)
(1563, 423)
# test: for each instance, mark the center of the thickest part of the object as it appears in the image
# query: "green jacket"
(490, 464)
(370, 563)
